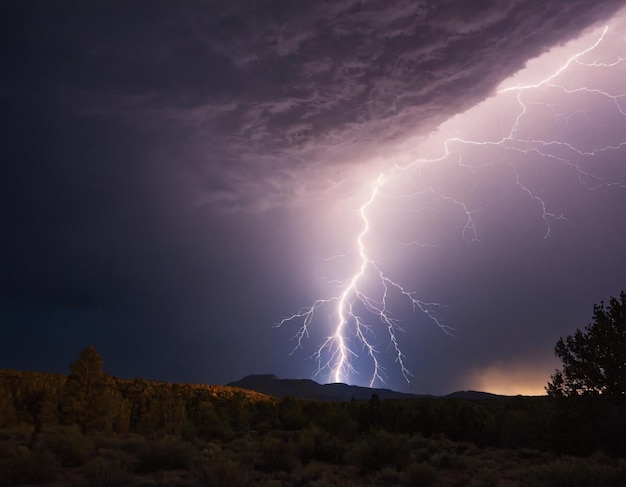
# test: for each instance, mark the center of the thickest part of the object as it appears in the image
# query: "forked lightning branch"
(356, 313)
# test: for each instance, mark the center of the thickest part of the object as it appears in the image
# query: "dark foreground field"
(309, 457)
(90, 429)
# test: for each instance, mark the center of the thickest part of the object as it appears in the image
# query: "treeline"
(97, 402)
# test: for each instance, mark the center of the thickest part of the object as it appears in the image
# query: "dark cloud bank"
(151, 153)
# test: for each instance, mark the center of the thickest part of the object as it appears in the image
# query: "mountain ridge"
(271, 385)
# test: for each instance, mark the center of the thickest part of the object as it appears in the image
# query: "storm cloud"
(161, 161)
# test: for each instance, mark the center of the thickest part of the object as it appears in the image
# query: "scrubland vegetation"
(90, 429)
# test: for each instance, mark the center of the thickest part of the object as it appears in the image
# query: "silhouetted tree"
(8, 414)
(591, 388)
(89, 397)
(594, 360)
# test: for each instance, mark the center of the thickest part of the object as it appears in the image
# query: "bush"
(419, 475)
(449, 461)
(8, 414)
(278, 454)
(168, 453)
(578, 472)
(69, 444)
(26, 467)
(318, 444)
(102, 472)
(224, 472)
(131, 444)
(312, 472)
(386, 476)
(527, 453)
(377, 450)
(488, 478)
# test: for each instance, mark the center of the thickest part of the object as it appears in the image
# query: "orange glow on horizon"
(511, 379)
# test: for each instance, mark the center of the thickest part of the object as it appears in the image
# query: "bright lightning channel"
(351, 332)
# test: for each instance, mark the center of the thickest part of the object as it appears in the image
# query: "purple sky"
(178, 176)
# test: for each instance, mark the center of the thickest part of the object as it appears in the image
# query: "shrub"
(103, 472)
(168, 453)
(579, 472)
(8, 414)
(278, 454)
(69, 444)
(223, 471)
(419, 475)
(377, 450)
(247, 451)
(488, 478)
(386, 476)
(26, 467)
(527, 453)
(449, 461)
(131, 444)
(318, 444)
(312, 472)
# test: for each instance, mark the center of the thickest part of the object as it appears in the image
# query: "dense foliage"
(594, 360)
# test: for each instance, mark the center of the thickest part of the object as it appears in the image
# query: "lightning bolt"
(356, 311)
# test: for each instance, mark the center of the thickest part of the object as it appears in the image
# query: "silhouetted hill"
(472, 395)
(309, 389)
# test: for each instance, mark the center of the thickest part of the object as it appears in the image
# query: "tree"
(594, 360)
(89, 397)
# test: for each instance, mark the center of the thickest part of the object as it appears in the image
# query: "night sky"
(178, 177)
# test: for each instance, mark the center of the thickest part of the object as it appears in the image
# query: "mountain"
(472, 395)
(309, 389)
